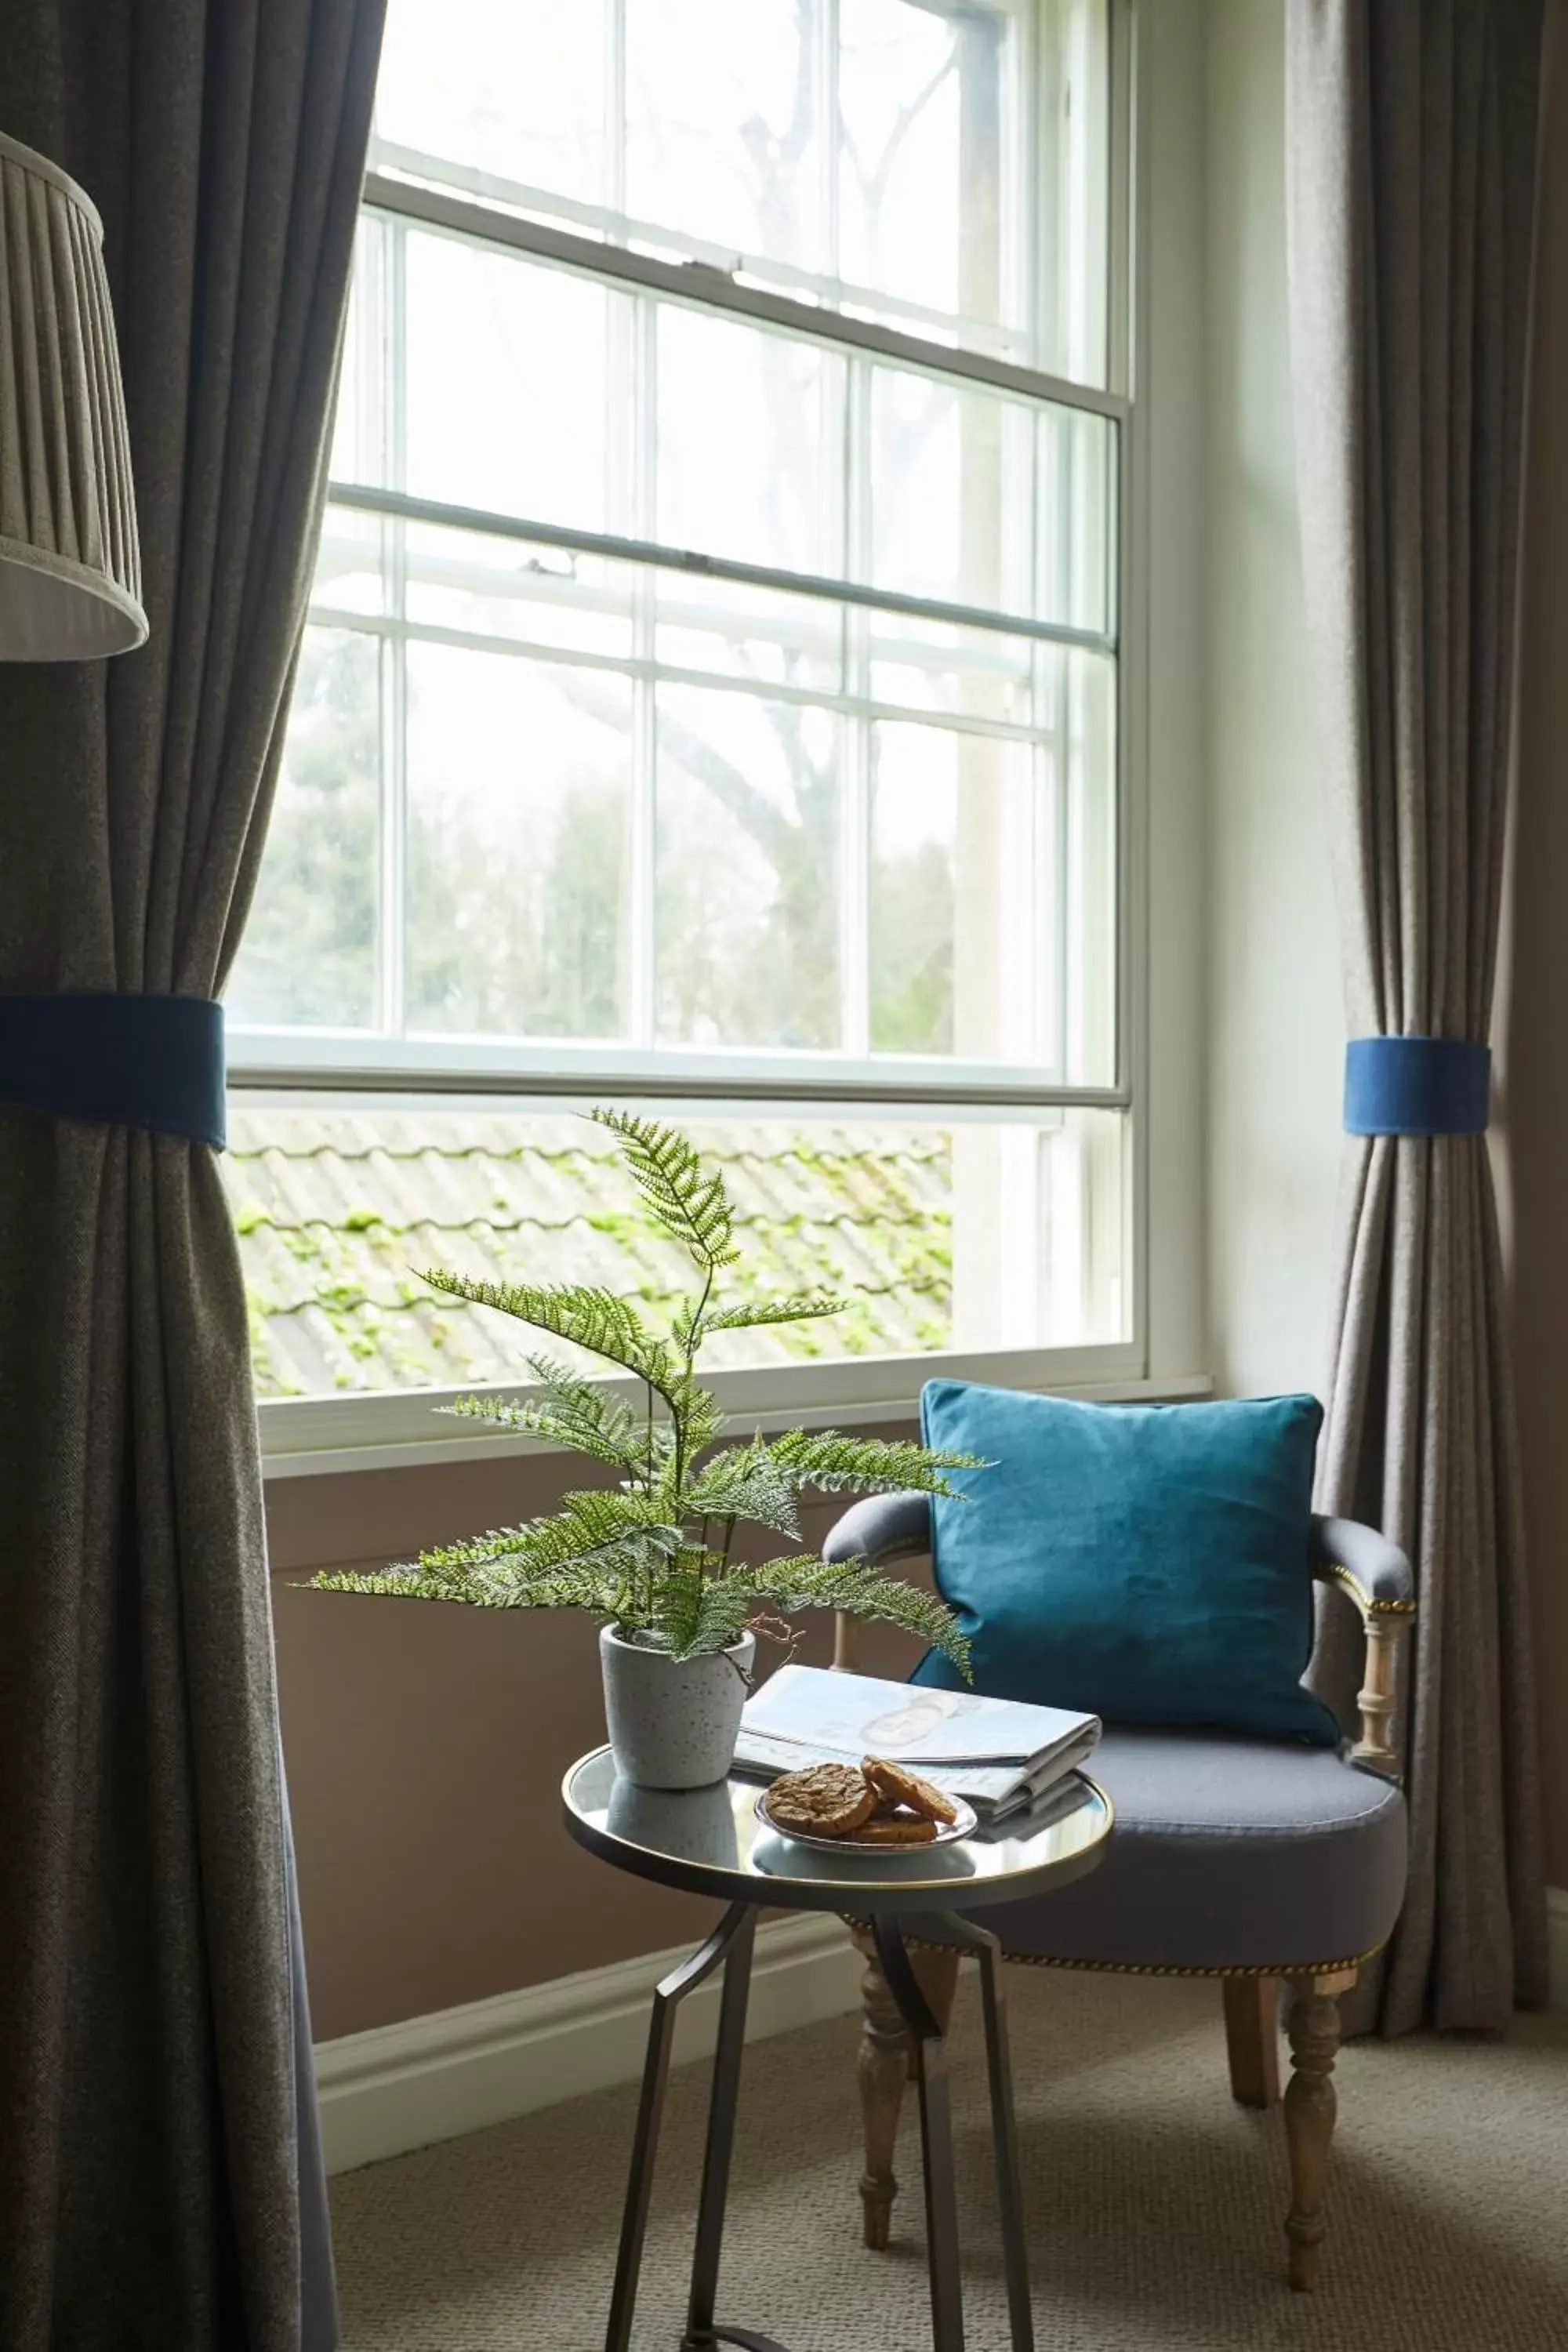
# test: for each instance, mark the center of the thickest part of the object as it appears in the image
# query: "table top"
(711, 1842)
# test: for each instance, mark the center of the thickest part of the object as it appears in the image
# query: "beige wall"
(1276, 1014)
(425, 1748)
(1533, 1025)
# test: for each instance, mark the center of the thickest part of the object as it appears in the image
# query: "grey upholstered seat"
(1228, 1853)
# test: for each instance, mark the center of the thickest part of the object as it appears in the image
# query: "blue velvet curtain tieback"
(1416, 1085)
(123, 1060)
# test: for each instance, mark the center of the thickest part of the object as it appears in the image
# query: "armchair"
(1251, 1861)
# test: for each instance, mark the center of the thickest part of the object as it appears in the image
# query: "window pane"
(750, 444)
(516, 845)
(465, 580)
(1084, 686)
(952, 483)
(510, 88)
(940, 1237)
(749, 632)
(508, 397)
(1040, 1257)
(359, 453)
(723, 128)
(956, 474)
(749, 816)
(929, 155)
(933, 665)
(1077, 519)
(956, 915)
(350, 566)
(309, 949)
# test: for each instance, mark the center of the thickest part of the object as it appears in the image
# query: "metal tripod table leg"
(1004, 2125)
(732, 1935)
(701, 2328)
(936, 2129)
(732, 1944)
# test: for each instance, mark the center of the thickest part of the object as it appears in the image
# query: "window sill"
(321, 1436)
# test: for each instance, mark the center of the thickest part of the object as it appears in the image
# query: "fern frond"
(572, 1412)
(590, 1317)
(613, 1528)
(579, 1557)
(688, 1200)
(744, 1482)
(856, 1587)
(571, 1391)
(702, 1611)
(752, 1315)
(582, 1588)
(837, 1464)
(696, 1409)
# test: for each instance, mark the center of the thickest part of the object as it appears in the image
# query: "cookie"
(903, 1787)
(896, 1829)
(827, 1800)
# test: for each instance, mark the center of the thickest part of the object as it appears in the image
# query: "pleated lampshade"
(70, 569)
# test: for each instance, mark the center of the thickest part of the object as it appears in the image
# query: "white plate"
(947, 1833)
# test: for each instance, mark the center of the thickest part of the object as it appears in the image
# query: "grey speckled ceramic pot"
(673, 1726)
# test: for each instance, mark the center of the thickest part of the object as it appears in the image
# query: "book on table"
(996, 1752)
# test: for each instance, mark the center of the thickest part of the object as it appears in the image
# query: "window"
(711, 688)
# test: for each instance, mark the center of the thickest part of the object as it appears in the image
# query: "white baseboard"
(1557, 1944)
(428, 2078)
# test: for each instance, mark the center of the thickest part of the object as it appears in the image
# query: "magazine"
(998, 1754)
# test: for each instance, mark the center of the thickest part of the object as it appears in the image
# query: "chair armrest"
(882, 1527)
(1377, 1577)
(1374, 1571)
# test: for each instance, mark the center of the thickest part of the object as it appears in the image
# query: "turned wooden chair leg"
(1252, 2039)
(937, 1974)
(1311, 2105)
(884, 2046)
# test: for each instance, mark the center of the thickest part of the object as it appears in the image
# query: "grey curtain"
(1411, 148)
(160, 2175)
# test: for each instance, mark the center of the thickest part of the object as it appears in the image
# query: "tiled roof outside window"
(337, 1212)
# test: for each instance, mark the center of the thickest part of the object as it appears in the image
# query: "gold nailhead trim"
(1144, 1968)
(1141, 1969)
(1364, 1599)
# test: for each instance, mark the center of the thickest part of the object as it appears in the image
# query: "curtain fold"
(1411, 134)
(160, 2172)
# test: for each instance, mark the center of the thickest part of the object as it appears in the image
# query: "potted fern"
(653, 1554)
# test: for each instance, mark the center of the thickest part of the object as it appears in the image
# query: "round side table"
(711, 1842)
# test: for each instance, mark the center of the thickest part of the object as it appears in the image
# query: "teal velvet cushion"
(1149, 1563)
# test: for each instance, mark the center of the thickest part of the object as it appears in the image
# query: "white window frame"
(321, 1069)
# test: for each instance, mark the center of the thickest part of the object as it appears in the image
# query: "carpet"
(1154, 2202)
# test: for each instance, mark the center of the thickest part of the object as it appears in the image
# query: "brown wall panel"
(425, 1747)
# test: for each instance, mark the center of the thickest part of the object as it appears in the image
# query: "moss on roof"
(336, 1215)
